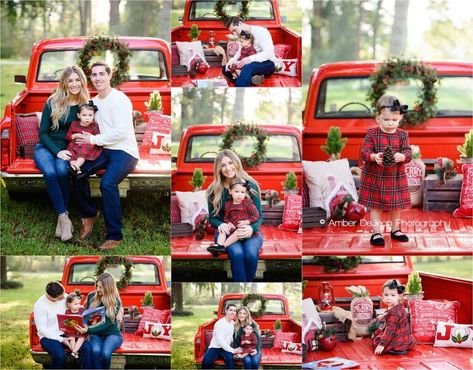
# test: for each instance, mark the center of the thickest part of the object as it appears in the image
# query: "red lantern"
(202, 68)
(326, 300)
(355, 212)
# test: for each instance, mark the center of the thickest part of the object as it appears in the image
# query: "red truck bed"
(452, 237)
(422, 356)
(270, 357)
(277, 244)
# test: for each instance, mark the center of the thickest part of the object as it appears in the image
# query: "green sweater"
(109, 327)
(240, 332)
(217, 220)
(55, 141)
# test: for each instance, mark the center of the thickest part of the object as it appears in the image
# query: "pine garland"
(395, 70)
(125, 279)
(219, 5)
(239, 131)
(98, 45)
(335, 264)
(252, 297)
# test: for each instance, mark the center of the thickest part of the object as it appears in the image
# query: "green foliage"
(335, 143)
(466, 150)
(147, 299)
(11, 284)
(291, 181)
(154, 102)
(414, 283)
(335, 264)
(277, 325)
(198, 178)
(194, 32)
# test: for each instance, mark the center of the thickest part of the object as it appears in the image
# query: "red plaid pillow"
(152, 315)
(281, 337)
(175, 211)
(305, 195)
(27, 131)
(281, 51)
(174, 54)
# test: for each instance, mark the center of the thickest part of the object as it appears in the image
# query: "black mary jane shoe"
(400, 236)
(393, 352)
(377, 242)
(72, 170)
(216, 250)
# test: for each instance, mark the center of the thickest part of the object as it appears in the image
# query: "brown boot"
(65, 226)
(109, 244)
(87, 226)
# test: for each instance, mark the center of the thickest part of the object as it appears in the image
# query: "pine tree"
(388, 157)
(198, 179)
(414, 283)
(290, 182)
(335, 143)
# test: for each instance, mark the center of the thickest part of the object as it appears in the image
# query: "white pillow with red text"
(157, 330)
(291, 347)
(450, 334)
(286, 67)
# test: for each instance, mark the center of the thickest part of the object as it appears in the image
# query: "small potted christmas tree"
(278, 325)
(414, 287)
(147, 300)
(290, 184)
(198, 179)
(154, 104)
(194, 32)
(335, 143)
(466, 150)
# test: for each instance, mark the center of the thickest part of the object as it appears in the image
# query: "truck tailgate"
(271, 357)
(429, 233)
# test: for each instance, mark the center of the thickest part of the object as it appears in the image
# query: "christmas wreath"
(219, 5)
(253, 297)
(335, 264)
(395, 70)
(240, 130)
(125, 279)
(98, 45)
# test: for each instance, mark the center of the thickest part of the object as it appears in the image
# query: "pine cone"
(200, 232)
(388, 157)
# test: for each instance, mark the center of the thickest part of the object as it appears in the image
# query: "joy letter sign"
(158, 134)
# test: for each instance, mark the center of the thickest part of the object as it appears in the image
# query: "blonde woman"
(245, 252)
(50, 155)
(243, 318)
(106, 338)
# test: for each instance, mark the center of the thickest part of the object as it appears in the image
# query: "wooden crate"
(313, 217)
(438, 196)
(182, 229)
(341, 329)
(130, 325)
(178, 70)
(212, 59)
(272, 216)
(267, 342)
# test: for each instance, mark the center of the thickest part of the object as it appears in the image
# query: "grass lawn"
(16, 306)
(8, 88)
(450, 266)
(28, 227)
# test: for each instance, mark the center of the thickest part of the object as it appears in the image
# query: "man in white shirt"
(119, 156)
(220, 345)
(254, 67)
(46, 309)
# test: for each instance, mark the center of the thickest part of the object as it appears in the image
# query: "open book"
(91, 318)
(332, 363)
(215, 82)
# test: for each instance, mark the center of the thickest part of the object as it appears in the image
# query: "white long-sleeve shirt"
(45, 318)
(115, 120)
(263, 44)
(223, 335)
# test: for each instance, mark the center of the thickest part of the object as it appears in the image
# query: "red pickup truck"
(337, 96)
(372, 273)
(148, 276)
(277, 308)
(48, 57)
(197, 149)
(263, 13)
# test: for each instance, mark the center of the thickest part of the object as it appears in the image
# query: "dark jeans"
(252, 362)
(212, 354)
(99, 352)
(56, 176)
(244, 255)
(117, 165)
(56, 350)
(249, 70)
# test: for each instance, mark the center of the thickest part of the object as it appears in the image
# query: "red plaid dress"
(246, 210)
(86, 151)
(248, 348)
(384, 187)
(397, 334)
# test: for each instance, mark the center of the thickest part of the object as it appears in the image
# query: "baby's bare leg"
(71, 342)
(244, 355)
(232, 238)
(79, 343)
(221, 238)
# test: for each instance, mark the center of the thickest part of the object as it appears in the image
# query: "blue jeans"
(252, 362)
(101, 349)
(212, 354)
(244, 256)
(56, 350)
(56, 175)
(249, 70)
(117, 164)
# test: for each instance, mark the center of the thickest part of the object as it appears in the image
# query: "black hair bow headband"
(394, 285)
(396, 107)
(91, 104)
(245, 34)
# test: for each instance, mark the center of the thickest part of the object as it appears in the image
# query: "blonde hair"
(385, 101)
(215, 189)
(247, 321)
(109, 297)
(59, 100)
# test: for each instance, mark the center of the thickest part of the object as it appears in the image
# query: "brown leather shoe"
(87, 227)
(109, 244)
